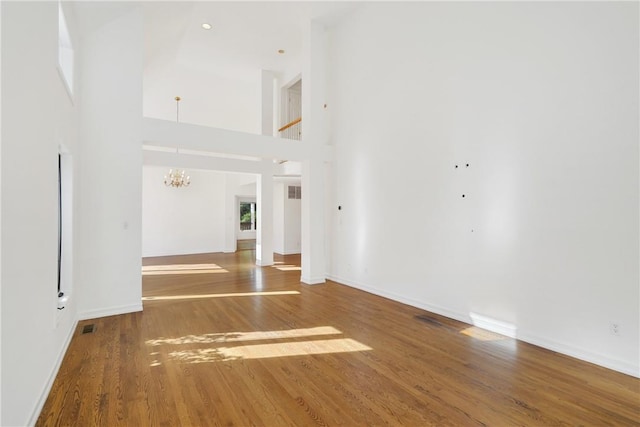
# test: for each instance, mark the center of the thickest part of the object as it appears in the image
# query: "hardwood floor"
(246, 244)
(223, 342)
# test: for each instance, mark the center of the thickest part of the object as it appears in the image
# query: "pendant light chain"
(177, 178)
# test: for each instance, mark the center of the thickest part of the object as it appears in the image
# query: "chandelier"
(177, 178)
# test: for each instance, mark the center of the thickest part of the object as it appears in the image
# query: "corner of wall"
(110, 311)
(52, 376)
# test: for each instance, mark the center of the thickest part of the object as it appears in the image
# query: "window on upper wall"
(248, 216)
(65, 51)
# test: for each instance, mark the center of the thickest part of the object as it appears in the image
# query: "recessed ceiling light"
(206, 26)
(280, 51)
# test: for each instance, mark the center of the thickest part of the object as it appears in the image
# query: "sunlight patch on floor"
(245, 336)
(287, 267)
(482, 334)
(155, 270)
(262, 351)
(204, 296)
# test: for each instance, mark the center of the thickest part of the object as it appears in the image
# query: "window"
(65, 51)
(248, 216)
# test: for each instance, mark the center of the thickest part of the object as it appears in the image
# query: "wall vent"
(89, 329)
(295, 192)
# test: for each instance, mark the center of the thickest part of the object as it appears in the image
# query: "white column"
(266, 87)
(109, 237)
(279, 195)
(264, 196)
(314, 132)
(313, 256)
(230, 215)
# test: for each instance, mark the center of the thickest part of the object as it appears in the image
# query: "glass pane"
(248, 216)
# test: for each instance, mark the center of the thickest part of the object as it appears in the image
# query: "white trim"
(494, 325)
(399, 298)
(52, 376)
(295, 79)
(266, 264)
(111, 311)
(287, 252)
(313, 280)
(568, 350)
(585, 355)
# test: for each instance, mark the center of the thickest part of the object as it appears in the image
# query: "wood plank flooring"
(246, 244)
(223, 342)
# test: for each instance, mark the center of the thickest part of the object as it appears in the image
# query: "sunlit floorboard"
(223, 342)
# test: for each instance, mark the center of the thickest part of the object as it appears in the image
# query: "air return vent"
(89, 329)
(295, 192)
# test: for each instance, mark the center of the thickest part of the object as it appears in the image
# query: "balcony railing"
(292, 130)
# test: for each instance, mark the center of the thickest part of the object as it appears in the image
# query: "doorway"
(247, 220)
(291, 111)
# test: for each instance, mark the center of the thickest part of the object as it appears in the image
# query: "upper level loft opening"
(218, 69)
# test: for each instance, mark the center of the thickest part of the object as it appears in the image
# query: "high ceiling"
(245, 36)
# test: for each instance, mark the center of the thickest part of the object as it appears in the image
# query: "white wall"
(0, 218)
(193, 219)
(37, 116)
(278, 217)
(542, 101)
(292, 224)
(315, 133)
(110, 184)
(182, 220)
(207, 99)
(286, 220)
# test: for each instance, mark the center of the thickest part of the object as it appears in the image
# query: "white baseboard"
(52, 376)
(495, 326)
(287, 252)
(400, 298)
(312, 280)
(111, 311)
(578, 353)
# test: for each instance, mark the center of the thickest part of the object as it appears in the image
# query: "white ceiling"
(245, 37)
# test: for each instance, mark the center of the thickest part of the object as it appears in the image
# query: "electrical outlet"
(614, 328)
